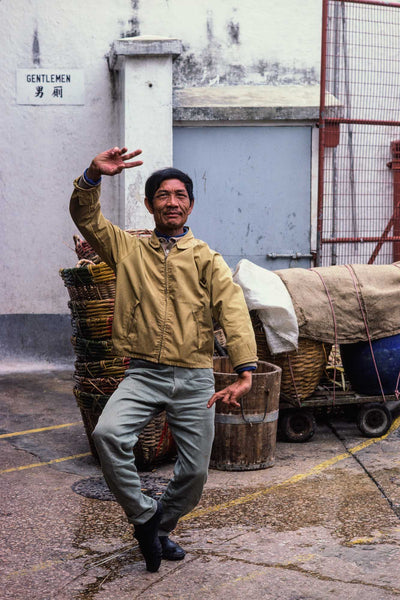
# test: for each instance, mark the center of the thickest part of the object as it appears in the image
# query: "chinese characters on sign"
(50, 86)
(58, 91)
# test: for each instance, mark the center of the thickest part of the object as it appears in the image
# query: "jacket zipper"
(165, 309)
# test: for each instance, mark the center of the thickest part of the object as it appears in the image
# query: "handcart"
(297, 419)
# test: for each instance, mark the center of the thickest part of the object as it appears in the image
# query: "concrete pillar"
(145, 110)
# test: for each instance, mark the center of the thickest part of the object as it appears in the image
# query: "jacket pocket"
(204, 328)
(131, 323)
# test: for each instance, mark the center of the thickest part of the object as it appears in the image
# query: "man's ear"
(149, 206)
(191, 206)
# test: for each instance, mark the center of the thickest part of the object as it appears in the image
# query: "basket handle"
(251, 422)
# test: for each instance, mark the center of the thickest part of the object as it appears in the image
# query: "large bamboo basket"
(114, 367)
(86, 309)
(92, 350)
(84, 250)
(98, 371)
(101, 291)
(155, 444)
(87, 274)
(98, 328)
(98, 385)
(301, 370)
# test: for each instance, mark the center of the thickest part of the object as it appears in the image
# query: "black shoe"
(171, 550)
(149, 543)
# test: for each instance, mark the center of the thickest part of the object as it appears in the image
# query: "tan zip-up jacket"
(164, 305)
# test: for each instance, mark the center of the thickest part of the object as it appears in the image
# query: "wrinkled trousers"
(147, 389)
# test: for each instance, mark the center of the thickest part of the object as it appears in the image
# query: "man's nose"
(172, 200)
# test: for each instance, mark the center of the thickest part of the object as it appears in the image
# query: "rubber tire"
(297, 425)
(374, 419)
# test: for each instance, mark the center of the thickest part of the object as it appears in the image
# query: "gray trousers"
(146, 390)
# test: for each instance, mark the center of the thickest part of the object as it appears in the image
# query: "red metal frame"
(358, 196)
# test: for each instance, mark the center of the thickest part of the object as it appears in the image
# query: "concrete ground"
(322, 523)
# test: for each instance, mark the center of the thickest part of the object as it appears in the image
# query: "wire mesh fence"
(359, 160)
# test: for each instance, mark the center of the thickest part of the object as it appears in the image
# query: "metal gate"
(359, 144)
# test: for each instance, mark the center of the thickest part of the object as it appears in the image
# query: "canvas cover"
(324, 296)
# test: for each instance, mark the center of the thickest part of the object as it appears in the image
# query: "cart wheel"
(297, 425)
(374, 419)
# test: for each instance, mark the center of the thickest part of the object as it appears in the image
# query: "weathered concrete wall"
(44, 147)
(230, 42)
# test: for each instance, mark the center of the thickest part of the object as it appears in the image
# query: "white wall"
(230, 42)
(44, 147)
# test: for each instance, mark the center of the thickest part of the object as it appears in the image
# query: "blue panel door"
(252, 190)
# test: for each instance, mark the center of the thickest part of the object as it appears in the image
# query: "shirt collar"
(182, 241)
(167, 237)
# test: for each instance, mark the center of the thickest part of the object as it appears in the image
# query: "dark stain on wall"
(275, 73)
(187, 69)
(234, 75)
(210, 31)
(134, 28)
(233, 32)
(206, 69)
(209, 68)
(36, 49)
(134, 23)
(114, 84)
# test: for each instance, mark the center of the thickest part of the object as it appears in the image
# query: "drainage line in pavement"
(395, 508)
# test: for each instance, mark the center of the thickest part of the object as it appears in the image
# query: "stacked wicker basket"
(98, 371)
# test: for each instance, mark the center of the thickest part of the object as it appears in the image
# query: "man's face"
(170, 207)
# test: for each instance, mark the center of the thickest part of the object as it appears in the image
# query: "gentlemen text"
(48, 78)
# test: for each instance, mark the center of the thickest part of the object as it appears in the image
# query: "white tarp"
(265, 292)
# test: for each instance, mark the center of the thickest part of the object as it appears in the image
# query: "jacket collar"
(183, 242)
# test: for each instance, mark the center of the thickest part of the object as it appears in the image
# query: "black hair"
(156, 179)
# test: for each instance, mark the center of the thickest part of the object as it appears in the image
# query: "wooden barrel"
(245, 437)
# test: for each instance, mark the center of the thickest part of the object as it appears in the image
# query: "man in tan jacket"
(169, 289)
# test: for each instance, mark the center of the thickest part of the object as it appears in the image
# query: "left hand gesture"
(231, 394)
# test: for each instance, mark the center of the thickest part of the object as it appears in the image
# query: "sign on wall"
(50, 86)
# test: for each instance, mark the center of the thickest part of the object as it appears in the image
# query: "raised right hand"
(112, 161)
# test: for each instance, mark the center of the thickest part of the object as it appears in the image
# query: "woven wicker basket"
(98, 371)
(301, 370)
(98, 385)
(155, 443)
(101, 291)
(92, 350)
(92, 308)
(85, 251)
(93, 328)
(87, 275)
(114, 367)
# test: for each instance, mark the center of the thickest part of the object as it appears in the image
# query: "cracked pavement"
(322, 523)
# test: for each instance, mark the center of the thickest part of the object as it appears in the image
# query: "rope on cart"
(334, 328)
(293, 380)
(348, 267)
(396, 391)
